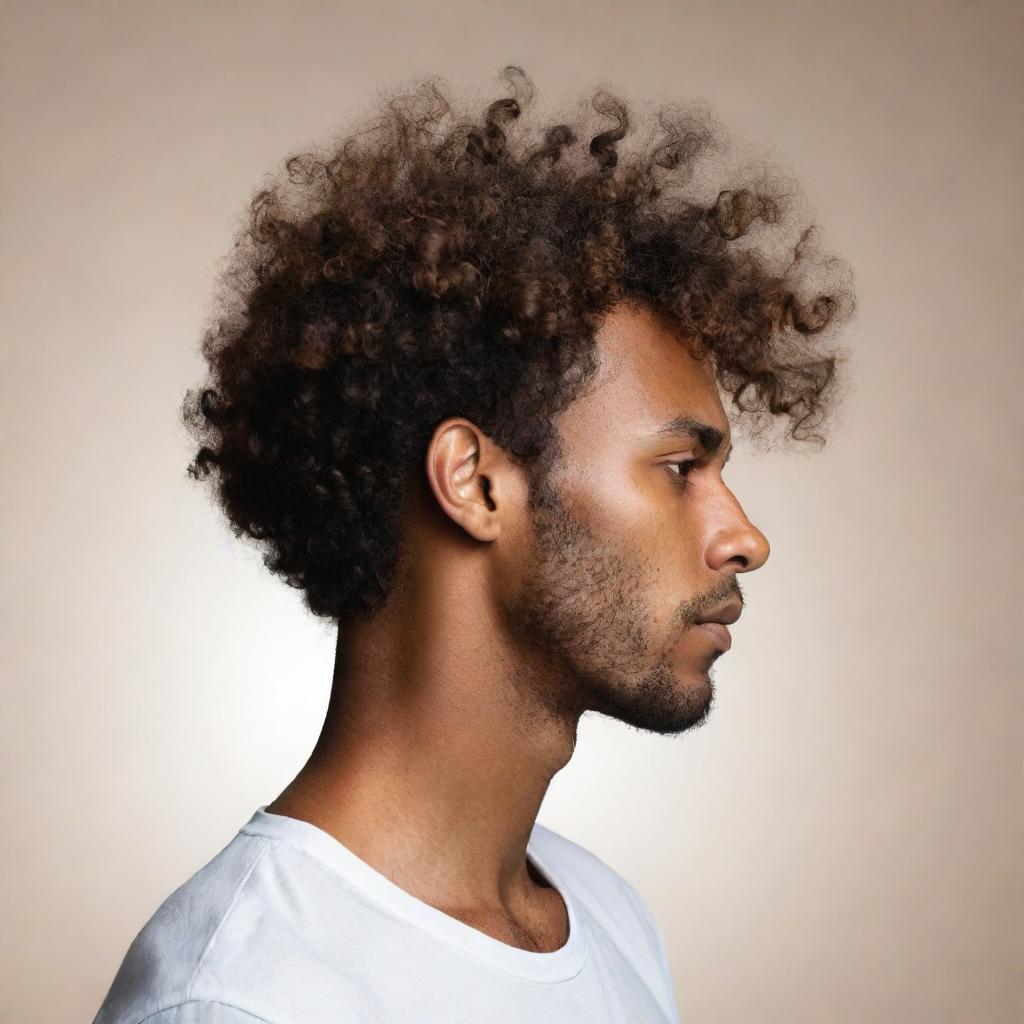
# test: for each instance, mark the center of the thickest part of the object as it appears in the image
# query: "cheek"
(614, 502)
(672, 555)
(628, 500)
(656, 566)
(669, 594)
(653, 531)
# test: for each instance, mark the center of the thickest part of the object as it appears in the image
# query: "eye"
(684, 471)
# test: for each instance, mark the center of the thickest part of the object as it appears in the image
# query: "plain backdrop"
(842, 841)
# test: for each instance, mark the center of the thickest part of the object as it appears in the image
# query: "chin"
(672, 710)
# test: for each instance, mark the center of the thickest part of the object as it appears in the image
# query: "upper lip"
(725, 614)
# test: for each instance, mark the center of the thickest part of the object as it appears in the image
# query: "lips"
(725, 614)
(715, 623)
(718, 632)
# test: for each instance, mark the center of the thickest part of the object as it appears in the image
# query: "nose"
(736, 543)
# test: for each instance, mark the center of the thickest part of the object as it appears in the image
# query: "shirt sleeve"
(203, 1011)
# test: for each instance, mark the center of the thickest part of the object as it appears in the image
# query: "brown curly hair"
(429, 266)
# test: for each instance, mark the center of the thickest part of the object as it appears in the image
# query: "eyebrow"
(710, 437)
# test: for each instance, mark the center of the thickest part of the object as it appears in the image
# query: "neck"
(435, 754)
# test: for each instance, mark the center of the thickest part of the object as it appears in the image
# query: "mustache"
(728, 591)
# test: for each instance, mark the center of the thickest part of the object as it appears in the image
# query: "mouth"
(718, 632)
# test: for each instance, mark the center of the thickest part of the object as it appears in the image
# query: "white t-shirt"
(286, 925)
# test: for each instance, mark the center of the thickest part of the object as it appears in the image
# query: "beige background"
(842, 842)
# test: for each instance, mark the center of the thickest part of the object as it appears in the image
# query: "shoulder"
(155, 980)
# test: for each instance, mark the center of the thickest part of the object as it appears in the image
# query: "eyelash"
(679, 479)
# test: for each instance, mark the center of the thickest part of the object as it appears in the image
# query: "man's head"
(601, 567)
(565, 304)
(637, 536)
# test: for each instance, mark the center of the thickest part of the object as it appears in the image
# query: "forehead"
(647, 378)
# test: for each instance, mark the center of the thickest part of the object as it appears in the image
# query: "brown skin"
(454, 707)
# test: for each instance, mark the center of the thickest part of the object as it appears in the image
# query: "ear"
(465, 470)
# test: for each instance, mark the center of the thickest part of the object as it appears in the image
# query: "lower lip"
(718, 632)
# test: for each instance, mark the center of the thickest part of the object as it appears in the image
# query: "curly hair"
(430, 265)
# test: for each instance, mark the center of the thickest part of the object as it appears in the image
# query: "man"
(466, 391)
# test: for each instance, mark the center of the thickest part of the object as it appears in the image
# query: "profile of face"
(635, 535)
